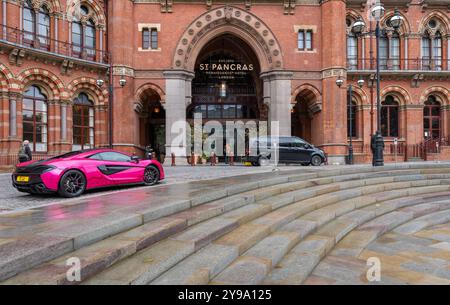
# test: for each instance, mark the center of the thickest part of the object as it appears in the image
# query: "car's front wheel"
(316, 160)
(72, 184)
(151, 175)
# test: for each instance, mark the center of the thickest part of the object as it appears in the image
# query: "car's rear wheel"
(72, 184)
(151, 175)
(316, 160)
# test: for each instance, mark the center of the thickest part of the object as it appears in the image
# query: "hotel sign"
(225, 69)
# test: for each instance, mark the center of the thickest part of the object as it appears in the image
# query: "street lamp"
(100, 83)
(339, 83)
(377, 12)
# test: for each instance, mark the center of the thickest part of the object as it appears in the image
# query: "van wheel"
(316, 160)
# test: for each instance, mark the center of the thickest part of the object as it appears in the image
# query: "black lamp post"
(100, 83)
(377, 12)
(339, 83)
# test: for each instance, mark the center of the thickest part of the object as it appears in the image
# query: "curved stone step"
(247, 235)
(200, 209)
(339, 239)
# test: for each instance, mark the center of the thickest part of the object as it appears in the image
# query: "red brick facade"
(295, 86)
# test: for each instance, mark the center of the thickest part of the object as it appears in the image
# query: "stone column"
(334, 106)
(178, 97)
(277, 96)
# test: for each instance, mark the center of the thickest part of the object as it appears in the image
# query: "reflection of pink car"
(74, 172)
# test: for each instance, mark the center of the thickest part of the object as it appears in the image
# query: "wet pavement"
(11, 199)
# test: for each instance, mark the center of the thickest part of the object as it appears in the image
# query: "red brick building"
(67, 67)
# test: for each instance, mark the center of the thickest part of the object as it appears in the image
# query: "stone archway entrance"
(258, 44)
(152, 125)
(306, 107)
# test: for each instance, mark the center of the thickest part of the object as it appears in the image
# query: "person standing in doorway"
(25, 152)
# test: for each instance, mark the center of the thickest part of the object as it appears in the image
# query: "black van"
(290, 150)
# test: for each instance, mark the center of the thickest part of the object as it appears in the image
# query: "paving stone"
(300, 227)
(149, 233)
(87, 231)
(276, 219)
(201, 213)
(240, 188)
(320, 216)
(337, 229)
(273, 247)
(244, 236)
(387, 222)
(421, 209)
(146, 265)
(205, 232)
(200, 267)
(245, 270)
(278, 201)
(315, 244)
(293, 269)
(355, 242)
(247, 213)
(164, 209)
(358, 216)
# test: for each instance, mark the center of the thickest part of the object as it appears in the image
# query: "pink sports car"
(72, 173)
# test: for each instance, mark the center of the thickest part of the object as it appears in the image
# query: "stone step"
(333, 233)
(246, 236)
(201, 208)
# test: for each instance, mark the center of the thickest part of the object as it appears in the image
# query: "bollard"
(173, 159)
(192, 159)
(231, 159)
(213, 159)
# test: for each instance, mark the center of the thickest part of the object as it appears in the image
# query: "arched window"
(394, 51)
(351, 119)
(352, 51)
(437, 51)
(83, 122)
(34, 114)
(389, 117)
(89, 39)
(83, 36)
(29, 23)
(44, 28)
(77, 37)
(432, 118)
(426, 52)
(384, 51)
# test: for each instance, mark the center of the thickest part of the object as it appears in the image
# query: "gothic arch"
(233, 20)
(359, 95)
(90, 85)
(153, 87)
(441, 92)
(313, 93)
(49, 81)
(404, 29)
(96, 13)
(442, 26)
(400, 93)
(5, 78)
(52, 5)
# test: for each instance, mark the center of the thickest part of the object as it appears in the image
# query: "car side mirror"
(135, 159)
